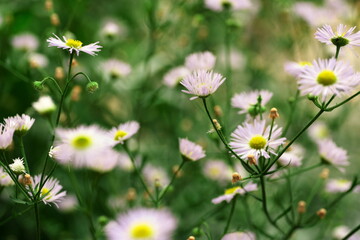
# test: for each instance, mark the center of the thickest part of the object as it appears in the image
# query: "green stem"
(233, 204)
(292, 111)
(357, 228)
(343, 102)
(37, 217)
(300, 171)
(337, 52)
(22, 148)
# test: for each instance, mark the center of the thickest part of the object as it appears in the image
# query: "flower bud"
(38, 85)
(251, 159)
(311, 97)
(321, 213)
(91, 87)
(217, 124)
(25, 179)
(191, 238)
(75, 93)
(54, 19)
(235, 177)
(301, 207)
(48, 5)
(131, 194)
(17, 166)
(59, 73)
(274, 113)
(325, 173)
(218, 111)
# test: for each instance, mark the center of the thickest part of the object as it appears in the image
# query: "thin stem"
(337, 52)
(357, 228)
(22, 149)
(162, 194)
(292, 111)
(300, 171)
(233, 204)
(37, 217)
(343, 102)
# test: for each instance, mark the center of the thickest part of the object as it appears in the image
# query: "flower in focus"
(245, 101)
(337, 185)
(44, 105)
(80, 146)
(217, 170)
(332, 154)
(6, 136)
(327, 77)
(37, 60)
(253, 139)
(239, 236)
(124, 131)
(219, 5)
(17, 166)
(200, 61)
(74, 45)
(341, 38)
(175, 75)
(115, 69)
(142, 224)
(295, 68)
(155, 175)
(190, 151)
(292, 156)
(341, 231)
(26, 42)
(21, 124)
(202, 83)
(5, 179)
(51, 192)
(231, 192)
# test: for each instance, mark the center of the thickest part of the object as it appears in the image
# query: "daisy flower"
(74, 45)
(51, 192)
(124, 131)
(21, 124)
(340, 38)
(219, 5)
(318, 131)
(6, 136)
(239, 236)
(295, 68)
(175, 75)
(217, 170)
(81, 145)
(17, 166)
(202, 83)
(44, 105)
(327, 77)
(5, 179)
(231, 192)
(332, 154)
(154, 175)
(337, 185)
(200, 61)
(253, 139)
(115, 68)
(142, 223)
(25, 41)
(190, 151)
(245, 101)
(292, 156)
(104, 162)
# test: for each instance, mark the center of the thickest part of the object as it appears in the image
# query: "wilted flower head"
(200, 61)
(124, 131)
(6, 136)
(155, 175)
(219, 5)
(340, 38)
(51, 192)
(115, 68)
(231, 192)
(44, 105)
(239, 236)
(202, 83)
(74, 45)
(21, 124)
(332, 154)
(245, 101)
(190, 150)
(175, 75)
(25, 41)
(142, 223)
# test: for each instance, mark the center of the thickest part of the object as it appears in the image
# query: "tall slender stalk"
(233, 203)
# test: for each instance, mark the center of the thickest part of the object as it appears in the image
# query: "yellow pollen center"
(215, 172)
(257, 142)
(73, 43)
(120, 134)
(45, 192)
(81, 142)
(231, 190)
(304, 63)
(142, 230)
(326, 78)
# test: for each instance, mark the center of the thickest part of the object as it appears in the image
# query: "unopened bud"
(91, 87)
(218, 111)
(48, 5)
(311, 97)
(321, 213)
(217, 124)
(301, 207)
(59, 73)
(74, 63)
(157, 183)
(191, 238)
(26, 181)
(176, 171)
(75, 93)
(274, 113)
(131, 194)
(325, 173)
(54, 19)
(251, 159)
(235, 177)
(38, 85)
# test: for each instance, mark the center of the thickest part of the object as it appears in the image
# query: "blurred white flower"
(5, 179)
(190, 150)
(155, 175)
(318, 131)
(200, 61)
(44, 105)
(175, 75)
(74, 45)
(68, 203)
(332, 154)
(51, 192)
(341, 231)
(25, 41)
(21, 124)
(112, 28)
(37, 60)
(104, 162)
(293, 156)
(337, 185)
(123, 132)
(295, 68)
(239, 236)
(114, 68)
(231, 192)
(245, 101)
(217, 170)
(6, 136)
(142, 223)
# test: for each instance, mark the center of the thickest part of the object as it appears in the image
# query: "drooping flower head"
(74, 45)
(245, 101)
(21, 124)
(239, 236)
(124, 131)
(327, 77)
(44, 105)
(51, 192)
(332, 154)
(6, 136)
(253, 139)
(200, 61)
(202, 83)
(175, 75)
(190, 151)
(340, 38)
(231, 192)
(142, 224)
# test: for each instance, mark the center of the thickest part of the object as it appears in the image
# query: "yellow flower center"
(120, 134)
(73, 43)
(257, 142)
(45, 192)
(326, 78)
(81, 142)
(142, 230)
(214, 172)
(231, 190)
(304, 63)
